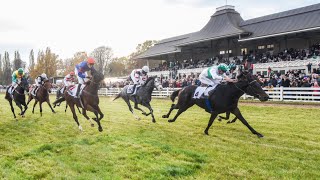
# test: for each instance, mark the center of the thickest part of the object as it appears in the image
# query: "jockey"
(213, 76)
(39, 82)
(139, 77)
(232, 73)
(81, 72)
(68, 80)
(16, 78)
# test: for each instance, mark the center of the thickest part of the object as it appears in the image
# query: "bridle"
(249, 84)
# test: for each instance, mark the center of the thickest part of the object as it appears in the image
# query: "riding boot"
(134, 90)
(78, 91)
(35, 91)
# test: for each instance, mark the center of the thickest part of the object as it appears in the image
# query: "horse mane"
(147, 81)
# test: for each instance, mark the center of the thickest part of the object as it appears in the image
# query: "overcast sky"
(68, 26)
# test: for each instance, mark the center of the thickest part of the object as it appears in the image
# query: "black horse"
(224, 99)
(143, 96)
(18, 96)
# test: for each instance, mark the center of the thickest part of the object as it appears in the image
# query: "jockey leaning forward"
(81, 72)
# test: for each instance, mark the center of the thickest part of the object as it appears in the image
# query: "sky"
(69, 26)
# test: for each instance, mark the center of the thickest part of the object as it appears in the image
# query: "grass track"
(52, 147)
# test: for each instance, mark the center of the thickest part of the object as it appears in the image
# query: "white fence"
(298, 94)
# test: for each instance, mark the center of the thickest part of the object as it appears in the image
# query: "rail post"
(281, 93)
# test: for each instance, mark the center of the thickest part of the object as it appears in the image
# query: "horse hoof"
(100, 129)
(164, 116)
(206, 133)
(170, 120)
(260, 135)
(53, 112)
(80, 128)
(144, 113)
(92, 125)
(154, 121)
(219, 119)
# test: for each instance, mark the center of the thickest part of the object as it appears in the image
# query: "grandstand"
(284, 41)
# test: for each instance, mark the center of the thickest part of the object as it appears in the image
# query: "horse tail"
(174, 95)
(119, 95)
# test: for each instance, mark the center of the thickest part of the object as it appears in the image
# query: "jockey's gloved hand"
(228, 79)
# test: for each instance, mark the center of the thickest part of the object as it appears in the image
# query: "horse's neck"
(238, 89)
(149, 87)
(92, 88)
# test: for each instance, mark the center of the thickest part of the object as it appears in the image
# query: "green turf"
(52, 147)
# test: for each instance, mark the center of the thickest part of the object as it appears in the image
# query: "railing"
(298, 94)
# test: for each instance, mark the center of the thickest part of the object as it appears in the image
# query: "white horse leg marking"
(80, 128)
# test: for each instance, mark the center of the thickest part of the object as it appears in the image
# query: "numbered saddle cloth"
(72, 91)
(130, 89)
(200, 91)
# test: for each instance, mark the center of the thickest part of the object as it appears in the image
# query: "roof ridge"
(282, 14)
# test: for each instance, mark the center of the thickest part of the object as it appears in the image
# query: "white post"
(281, 93)
(167, 92)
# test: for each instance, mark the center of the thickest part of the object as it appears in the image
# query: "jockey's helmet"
(20, 71)
(223, 67)
(145, 69)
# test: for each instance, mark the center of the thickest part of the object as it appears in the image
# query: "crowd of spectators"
(247, 59)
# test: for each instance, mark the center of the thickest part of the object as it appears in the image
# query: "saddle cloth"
(72, 91)
(200, 91)
(130, 89)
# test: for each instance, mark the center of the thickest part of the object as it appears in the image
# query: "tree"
(31, 62)
(1, 71)
(7, 72)
(103, 56)
(17, 62)
(47, 62)
(117, 67)
(141, 48)
(70, 63)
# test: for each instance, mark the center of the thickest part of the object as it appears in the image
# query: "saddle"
(199, 92)
(72, 90)
(130, 89)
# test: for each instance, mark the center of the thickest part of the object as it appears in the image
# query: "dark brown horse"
(18, 96)
(224, 99)
(42, 95)
(89, 100)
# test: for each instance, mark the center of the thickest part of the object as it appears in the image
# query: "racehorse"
(18, 96)
(42, 95)
(60, 98)
(89, 100)
(143, 96)
(224, 99)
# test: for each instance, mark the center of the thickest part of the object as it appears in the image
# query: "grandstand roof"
(226, 22)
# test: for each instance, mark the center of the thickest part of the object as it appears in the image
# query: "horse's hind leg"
(225, 118)
(75, 116)
(173, 106)
(213, 116)
(233, 120)
(29, 99)
(130, 108)
(181, 110)
(65, 110)
(84, 113)
(238, 114)
(12, 109)
(136, 107)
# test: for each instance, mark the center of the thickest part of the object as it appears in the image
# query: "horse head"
(252, 87)
(97, 77)
(47, 85)
(24, 84)
(153, 82)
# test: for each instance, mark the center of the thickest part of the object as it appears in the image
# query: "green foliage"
(51, 147)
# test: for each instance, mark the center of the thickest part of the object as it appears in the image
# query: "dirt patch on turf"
(270, 104)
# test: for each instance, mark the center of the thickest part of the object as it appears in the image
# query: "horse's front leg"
(136, 107)
(238, 114)
(48, 102)
(213, 116)
(147, 105)
(95, 111)
(84, 113)
(34, 105)
(226, 118)
(25, 109)
(12, 109)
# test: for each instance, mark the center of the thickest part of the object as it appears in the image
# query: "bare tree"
(103, 56)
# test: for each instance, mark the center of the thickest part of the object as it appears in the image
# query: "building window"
(244, 51)
(261, 47)
(222, 52)
(270, 47)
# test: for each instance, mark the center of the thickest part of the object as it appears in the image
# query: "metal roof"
(283, 23)
(227, 22)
